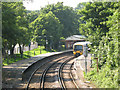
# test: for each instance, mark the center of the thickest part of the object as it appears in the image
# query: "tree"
(32, 15)
(49, 28)
(101, 27)
(80, 6)
(95, 16)
(15, 26)
(67, 16)
(9, 28)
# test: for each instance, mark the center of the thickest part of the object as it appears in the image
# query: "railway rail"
(60, 75)
(45, 72)
(72, 77)
(49, 64)
(64, 82)
(44, 69)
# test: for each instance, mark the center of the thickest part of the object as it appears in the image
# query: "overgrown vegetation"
(101, 28)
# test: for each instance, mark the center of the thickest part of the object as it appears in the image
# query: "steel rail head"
(33, 74)
(73, 80)
(43, 74)
(60, 79)
(42, 79)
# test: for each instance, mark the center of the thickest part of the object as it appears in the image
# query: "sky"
(37, 4)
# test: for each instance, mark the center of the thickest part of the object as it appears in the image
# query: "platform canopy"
(75, 38)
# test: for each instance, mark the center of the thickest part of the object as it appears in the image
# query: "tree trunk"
(21, 50)
(3, 52)
(12, 50)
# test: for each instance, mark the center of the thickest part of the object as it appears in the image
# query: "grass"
(27, 54)
(36, 51)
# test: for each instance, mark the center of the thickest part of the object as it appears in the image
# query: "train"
(79, 48)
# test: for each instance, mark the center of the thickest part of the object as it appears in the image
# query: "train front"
(77, 50)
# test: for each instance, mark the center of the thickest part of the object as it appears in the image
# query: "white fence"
(26, 48)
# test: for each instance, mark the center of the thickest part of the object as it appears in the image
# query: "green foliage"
(36, 51)
(15, 23)
(8, 25)
(53, 22)
(66, 15)
(95, 16)
(32, 15)
(49, 28)
(80, 6)
(26, 55)
(106, 78)
(15, 58)
(101, 28)
(11, 21)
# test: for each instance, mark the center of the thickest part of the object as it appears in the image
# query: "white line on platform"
(81, 67)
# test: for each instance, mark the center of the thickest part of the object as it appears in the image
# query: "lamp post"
(51, 42)
(46, 42)
(40, 43)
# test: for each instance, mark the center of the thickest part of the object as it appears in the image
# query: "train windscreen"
(78, 47)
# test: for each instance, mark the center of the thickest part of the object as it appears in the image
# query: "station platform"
(79, 62)
(79, 66)
(23, 64)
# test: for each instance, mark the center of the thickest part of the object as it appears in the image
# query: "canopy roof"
(82, 43)
(76, 37)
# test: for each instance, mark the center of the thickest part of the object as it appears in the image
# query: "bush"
(105, 78)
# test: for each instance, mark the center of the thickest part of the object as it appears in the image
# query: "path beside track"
(79, 69)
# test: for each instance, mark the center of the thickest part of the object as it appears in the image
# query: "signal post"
(85, 53)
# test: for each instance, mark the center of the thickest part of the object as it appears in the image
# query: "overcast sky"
(37, 4)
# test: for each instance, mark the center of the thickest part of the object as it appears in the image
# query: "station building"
(73, 39)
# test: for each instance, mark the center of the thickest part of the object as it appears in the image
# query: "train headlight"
(74, 52)
(81, 52)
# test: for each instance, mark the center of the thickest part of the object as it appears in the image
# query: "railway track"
(45, 72)
(42, 73)
(65, 83)
(60, 75)
(72, 77)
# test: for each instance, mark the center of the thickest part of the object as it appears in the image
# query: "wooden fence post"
(97, 63)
